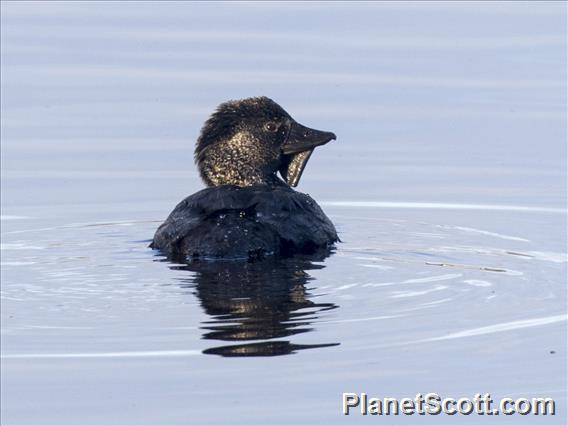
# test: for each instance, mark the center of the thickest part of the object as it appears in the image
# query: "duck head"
(246, 142)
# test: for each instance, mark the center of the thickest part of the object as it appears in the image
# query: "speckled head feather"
(243, 142)
(229, 115)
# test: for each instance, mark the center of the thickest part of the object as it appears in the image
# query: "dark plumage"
(247, 211)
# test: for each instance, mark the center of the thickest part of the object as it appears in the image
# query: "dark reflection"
(256, 302)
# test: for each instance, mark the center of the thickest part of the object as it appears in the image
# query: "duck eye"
(271, 126)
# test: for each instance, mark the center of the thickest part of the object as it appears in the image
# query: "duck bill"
(302, 138)
(297, 150)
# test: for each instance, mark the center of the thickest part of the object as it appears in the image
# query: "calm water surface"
(447, 185)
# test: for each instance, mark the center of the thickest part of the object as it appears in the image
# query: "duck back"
(229, 221)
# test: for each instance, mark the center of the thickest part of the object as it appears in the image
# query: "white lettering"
(375, 406)
(433, 402)
(504, 403)
(350, 400)
(407, 405)
(546, 403)
(523, 406)
(388, 404)
(446, 406)
(465, 406)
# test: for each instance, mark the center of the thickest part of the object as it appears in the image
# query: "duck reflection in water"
(257, 301)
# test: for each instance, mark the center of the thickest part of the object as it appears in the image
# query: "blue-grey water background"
(447, 185)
